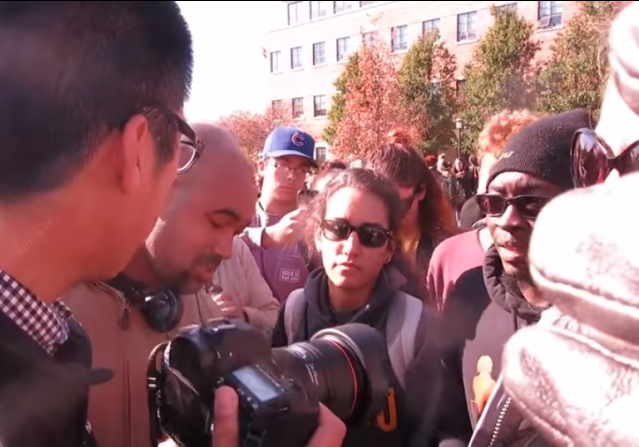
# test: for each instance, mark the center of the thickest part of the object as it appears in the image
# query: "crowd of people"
(504, 284)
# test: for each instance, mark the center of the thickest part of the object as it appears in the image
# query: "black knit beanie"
(543, 148)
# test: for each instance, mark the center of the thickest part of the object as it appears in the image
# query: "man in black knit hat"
(534, 168)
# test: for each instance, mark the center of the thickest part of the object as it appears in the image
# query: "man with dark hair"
(92, 94)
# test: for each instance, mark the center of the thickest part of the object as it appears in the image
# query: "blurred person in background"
(451, 186)
(127, 316)
(273, 235)
(583, 258)
(428, 217)
(352, 227)
(464, 176)
(493, 301)
(464, 253)
(91, 127)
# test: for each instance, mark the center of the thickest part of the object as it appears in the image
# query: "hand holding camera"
(265, 397)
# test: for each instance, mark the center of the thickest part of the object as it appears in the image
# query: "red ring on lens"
(353, 373)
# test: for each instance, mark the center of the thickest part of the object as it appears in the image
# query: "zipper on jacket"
(500, 421)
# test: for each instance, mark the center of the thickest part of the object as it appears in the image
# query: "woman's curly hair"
(500, 127)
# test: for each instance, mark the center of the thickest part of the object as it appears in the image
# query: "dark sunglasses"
(593, 160)
(369, 235)
(494, 205)
(191, 147)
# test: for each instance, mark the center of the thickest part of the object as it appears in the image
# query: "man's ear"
(261, 165)
(138, 155)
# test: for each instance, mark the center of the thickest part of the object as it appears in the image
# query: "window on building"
(276, 59)
(277, 104)
(343, 48)
(319, 53)
(295, 13)
(550, 14)
(320, 154)
(399, 38)
(429, 25)
(365, 3)
(342, 6)
(319, 105)
(296, 57)
(368, 38)
(297, 106)
(512, 7)
(467, 26)
(319, 9)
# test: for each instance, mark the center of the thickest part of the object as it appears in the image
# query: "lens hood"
(369, 345)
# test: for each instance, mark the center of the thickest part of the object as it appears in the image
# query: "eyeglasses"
(593, 160)
(369, 235)
(191, 147)
(299, 171)
(494, 205)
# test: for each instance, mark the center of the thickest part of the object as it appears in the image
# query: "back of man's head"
(72, 72)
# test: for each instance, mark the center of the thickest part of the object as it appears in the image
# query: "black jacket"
(477, 326)
(43, 399)
(423, 416)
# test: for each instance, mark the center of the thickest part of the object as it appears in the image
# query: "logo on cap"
(297, 139)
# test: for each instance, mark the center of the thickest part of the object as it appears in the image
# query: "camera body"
(274, 411)
(279, 390)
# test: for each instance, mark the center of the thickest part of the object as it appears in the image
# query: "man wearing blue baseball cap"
(287, 158)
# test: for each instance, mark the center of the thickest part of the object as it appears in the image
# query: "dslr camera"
(279, 389)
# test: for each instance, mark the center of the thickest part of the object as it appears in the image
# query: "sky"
(230, 71)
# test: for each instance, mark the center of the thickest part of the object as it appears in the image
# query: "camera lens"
(343, 367)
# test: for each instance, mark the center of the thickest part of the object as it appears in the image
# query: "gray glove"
(576, 374)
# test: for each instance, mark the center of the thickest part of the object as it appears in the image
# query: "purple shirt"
(284, 268)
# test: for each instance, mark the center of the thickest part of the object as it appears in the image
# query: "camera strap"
(153, 386)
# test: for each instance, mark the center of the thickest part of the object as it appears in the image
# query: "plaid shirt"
(46, 324)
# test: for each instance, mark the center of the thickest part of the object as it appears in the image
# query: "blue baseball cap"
(285, 141)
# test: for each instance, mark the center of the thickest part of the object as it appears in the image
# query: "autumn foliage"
(251, 129)
(372, 103)
(428, 87)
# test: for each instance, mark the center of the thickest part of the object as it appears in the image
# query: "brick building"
(307, 47)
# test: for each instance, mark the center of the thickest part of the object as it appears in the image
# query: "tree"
(372, 103)
(251, 129)
(336, 112)
(427, 80)
(500, 75)
(575, 74)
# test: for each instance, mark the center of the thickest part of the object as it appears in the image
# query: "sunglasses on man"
(593, 160)
(495, 205)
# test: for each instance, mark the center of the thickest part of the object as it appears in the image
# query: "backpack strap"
(294, 307)
(401, 327)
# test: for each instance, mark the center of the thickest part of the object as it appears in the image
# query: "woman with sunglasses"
(352, 225)
(428, 215)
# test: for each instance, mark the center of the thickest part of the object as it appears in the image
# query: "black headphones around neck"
(161, 310)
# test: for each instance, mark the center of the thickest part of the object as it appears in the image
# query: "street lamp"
(459, 126)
